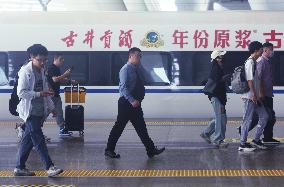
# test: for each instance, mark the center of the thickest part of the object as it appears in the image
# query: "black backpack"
(14, 100)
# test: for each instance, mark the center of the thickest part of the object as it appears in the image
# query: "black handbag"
(209, 87)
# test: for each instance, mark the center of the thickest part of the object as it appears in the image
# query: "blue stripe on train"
(147, 91)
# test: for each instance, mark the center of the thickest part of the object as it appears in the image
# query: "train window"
(80, 62)
(191, 68)
(155, 67)
(279, 73)
(117, 61)
(194, 67)
(3, 69)
(100, 68)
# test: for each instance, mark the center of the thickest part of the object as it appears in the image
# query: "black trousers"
(268, 130)
(135, 115)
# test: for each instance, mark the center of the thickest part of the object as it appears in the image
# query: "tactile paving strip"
(158, 173)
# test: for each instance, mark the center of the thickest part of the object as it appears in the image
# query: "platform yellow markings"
(158, 173)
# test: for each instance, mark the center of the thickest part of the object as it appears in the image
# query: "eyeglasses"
(41, 59)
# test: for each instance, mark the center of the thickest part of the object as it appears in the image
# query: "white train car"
(176, 54)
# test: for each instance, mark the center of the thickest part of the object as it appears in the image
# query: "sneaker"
(155, 151)
(64, 132)
(221, 145)
(53, 171)
(47, 139)
(246, 147)
(111, 154)
(258, 144)
(23, 172)
(270, 141)
(205, 137)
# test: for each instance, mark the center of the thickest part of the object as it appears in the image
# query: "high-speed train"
(175, 60)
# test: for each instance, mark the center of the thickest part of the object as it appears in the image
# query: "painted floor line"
(159, 173)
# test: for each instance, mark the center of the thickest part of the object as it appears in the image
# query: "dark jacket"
(216, 75)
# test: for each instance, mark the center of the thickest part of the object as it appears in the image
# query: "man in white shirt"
(252, 101)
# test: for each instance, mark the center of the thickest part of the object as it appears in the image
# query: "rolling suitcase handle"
(81, 132)
(78, 88)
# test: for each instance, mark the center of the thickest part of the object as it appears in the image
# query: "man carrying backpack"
(252, 101)
(13, 103)
(266, 95)
(35, 105)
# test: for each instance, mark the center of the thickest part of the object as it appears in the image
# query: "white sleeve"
(249, 69)
(23, 88)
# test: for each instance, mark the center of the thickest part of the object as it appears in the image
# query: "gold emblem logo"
(152, 39)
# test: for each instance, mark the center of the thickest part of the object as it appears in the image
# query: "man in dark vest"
(132, 92)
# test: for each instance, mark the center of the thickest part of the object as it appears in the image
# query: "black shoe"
(258, 144)
(111, 154)
(270, 141)
(155, 151)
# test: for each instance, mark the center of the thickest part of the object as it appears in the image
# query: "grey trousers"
(249, 108)
(59, 112)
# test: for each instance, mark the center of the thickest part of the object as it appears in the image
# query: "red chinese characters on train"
(125, 38)
(89, 38)
(69, 40)
(242, 38)
(179, 38)
(200, 39)
(276, 41)
(221, 39)
(106, 38)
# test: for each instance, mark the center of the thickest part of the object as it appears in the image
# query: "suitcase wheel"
(81, 133)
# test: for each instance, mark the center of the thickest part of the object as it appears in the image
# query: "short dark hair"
(133, 49)
(57, 55)
(254, 46)
(37, 49)
(267, 44)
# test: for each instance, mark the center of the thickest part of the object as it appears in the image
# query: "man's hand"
(53, 112)
(46, 93)
(67, 72)
(254, 98)
(135, 103)
(74, 82)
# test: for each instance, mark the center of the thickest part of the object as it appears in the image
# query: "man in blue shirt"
(132, 92)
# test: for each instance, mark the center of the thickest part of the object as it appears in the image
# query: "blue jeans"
(218, 124)
(33, 137)
(59, 112)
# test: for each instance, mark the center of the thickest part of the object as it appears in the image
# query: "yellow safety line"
(188, 123)
(158, 173)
